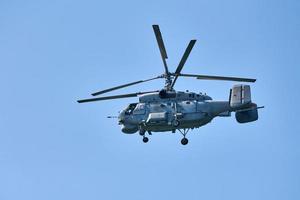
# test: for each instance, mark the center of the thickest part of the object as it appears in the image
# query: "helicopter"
(168, 110)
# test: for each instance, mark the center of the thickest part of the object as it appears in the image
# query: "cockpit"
(130, 108)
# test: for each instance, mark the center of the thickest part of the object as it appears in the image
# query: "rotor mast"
(168, 81)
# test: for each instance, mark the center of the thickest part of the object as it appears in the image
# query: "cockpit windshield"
(130, 108)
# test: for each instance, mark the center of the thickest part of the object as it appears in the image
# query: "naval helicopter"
(170, 110)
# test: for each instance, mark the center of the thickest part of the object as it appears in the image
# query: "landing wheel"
(184, 141)
(145, 139)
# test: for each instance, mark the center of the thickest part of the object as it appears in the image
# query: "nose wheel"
(145, 139)
(142, 132)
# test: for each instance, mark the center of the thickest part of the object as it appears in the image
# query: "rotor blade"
(185, 56)
(114, 97)
(221, 78)
(161, 46)
(123, 86)
(160, 41)
(183, 60)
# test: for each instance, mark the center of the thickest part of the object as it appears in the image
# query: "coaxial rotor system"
(170, 78)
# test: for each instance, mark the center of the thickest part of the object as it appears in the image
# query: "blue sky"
(55, 52)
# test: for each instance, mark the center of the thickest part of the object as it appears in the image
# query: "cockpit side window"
(139, 109)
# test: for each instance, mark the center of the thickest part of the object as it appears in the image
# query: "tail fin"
(239, 95)
(240, 101)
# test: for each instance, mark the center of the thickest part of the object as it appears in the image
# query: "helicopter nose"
(121, 117)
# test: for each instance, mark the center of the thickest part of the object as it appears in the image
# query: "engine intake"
(164, 94)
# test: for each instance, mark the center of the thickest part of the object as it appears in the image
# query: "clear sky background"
(55, 52)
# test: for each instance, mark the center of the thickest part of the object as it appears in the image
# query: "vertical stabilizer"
(240, 102)
(240, 95)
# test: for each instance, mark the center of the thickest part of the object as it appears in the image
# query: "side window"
(139, 109)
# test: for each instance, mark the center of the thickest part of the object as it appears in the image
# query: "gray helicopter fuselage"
(158, 112)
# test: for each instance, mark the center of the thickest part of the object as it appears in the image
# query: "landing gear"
(184, 140)
(145, 139)
(142, 132)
